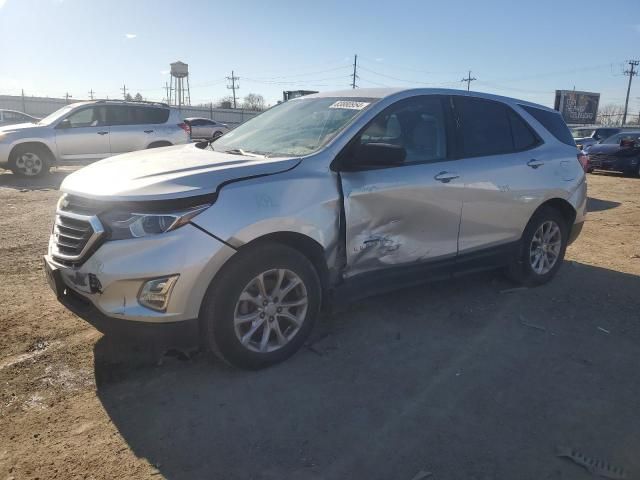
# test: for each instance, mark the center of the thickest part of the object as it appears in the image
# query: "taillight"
(185, 127)
(583, 158)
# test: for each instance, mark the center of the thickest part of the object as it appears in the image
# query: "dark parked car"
(620, 153)
(586, 137)
(13, 117)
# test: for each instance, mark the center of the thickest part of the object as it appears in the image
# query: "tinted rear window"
(150, 115)
(485, 127)
(553, 122)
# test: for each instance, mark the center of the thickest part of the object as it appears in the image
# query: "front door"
(83, 135)
(408, 213)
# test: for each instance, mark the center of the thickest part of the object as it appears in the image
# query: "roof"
(389, 92)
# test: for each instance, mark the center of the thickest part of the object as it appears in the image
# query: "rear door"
(507, 173)
(135, 127)
(83, 134)
(409, 213)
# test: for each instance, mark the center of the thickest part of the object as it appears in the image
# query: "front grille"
(602, 157)
(75, 232)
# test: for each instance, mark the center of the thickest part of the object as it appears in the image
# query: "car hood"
(168, 173)
(607, 148)
(22, 127)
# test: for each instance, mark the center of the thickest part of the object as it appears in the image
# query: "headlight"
(123, 225)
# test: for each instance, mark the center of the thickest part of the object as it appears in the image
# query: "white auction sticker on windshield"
(349, 105)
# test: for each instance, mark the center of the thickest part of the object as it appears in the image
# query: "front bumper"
(110, 280)
(5, 150)
(616, 164)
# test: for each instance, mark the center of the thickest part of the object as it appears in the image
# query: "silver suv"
(89, 131)
(317, 200)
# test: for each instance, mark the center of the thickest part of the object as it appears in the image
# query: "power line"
(631, 72)
(233, 86)
(355, 71)
(468, 80)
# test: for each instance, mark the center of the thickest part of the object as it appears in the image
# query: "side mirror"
(64, 124)
(626, 143)
(378, 155)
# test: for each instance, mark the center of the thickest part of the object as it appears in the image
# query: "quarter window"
(553, 122)
(523, 137)
(417, 124)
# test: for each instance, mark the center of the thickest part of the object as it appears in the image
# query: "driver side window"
(417, 124)
(87, 117)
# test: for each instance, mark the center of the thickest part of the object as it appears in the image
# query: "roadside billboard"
(577, 107)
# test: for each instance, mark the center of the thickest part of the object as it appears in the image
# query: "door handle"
(446, 177)
(533, 163)
(148, 131)
(102, 133)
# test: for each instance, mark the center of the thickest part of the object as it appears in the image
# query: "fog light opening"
(155, 293)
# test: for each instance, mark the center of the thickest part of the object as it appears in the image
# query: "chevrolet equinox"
(323, 197)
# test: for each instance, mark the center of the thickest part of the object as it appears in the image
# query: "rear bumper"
(575, 232)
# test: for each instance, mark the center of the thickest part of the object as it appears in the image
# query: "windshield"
(296, 127)
(581, 132)
(615, 139)
(53, 117)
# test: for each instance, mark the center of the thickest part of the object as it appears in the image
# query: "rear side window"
(553, 122)
(150, 115)
(523, 137)
(486, 128)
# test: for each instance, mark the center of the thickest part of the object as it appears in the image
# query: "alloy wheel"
(270, 310)
(29, 164)
(545, 247)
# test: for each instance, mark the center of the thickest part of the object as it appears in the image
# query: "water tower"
(178, 94)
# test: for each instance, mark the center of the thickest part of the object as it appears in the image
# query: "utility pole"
(233, 79)
(124, 91)
(355, 70)
(24, 106)
(631, 72)
(67, 97)
(91, 94)
(469, 79)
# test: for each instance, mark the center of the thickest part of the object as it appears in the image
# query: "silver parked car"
(89, 131)
(321, 198)
(205, 129)
(13, 117)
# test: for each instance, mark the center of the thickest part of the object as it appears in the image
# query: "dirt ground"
(460, 379)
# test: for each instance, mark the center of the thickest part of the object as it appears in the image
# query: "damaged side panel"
(399, 216)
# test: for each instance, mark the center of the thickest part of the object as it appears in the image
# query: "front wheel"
(30, 161)
(541, 250)
(261, 307)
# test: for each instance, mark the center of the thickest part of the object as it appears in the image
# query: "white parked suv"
(326, 196)
(89, 131)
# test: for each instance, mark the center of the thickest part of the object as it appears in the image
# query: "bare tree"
(137, 97)
(225, 102)
(610, 115)
(254, 101)
(128, 97)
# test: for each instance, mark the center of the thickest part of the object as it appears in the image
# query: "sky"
(525, 49)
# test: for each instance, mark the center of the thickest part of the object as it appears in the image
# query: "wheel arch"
(304, 244)
(36, 143)
(160, 143)
(565, 208)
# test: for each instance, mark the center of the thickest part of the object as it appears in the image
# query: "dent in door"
(378, 235)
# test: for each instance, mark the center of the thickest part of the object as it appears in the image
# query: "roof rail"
(143, 102)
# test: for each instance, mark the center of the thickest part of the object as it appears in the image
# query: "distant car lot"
(87, 131)
(466, 379)
(12, 117)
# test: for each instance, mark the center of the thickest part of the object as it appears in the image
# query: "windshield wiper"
(239, 151)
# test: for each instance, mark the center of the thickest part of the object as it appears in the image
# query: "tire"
(224, 315)
(524, 267)
(30, 161)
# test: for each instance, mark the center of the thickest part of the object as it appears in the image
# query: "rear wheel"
(261, 307)
(542, 248)
(30, 161)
